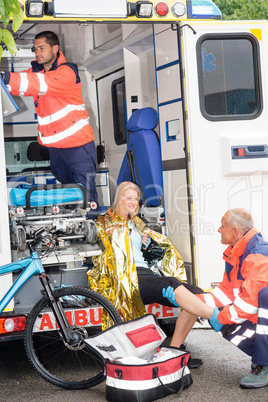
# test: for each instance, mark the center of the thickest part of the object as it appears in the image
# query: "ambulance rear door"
(7, 107)
(225, 88)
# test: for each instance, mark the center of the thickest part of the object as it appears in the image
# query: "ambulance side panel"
(227, 132)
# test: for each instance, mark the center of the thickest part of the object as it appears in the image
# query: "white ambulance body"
(207, 80)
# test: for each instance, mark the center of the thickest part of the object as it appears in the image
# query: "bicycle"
(59, 323)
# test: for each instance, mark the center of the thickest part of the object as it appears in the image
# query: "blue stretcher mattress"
(41, 198)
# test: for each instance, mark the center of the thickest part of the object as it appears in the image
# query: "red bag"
(137, 369)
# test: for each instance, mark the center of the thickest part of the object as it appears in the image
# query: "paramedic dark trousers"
(76, 165)
(253, 338)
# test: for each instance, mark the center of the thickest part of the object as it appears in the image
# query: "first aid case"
(138, 367)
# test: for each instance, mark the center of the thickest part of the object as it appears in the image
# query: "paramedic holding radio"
(63, 122)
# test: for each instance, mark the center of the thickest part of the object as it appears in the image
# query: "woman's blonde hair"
(125, 185)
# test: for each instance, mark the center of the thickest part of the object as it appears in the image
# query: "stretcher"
(59, 212)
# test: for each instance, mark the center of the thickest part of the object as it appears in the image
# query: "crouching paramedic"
(240, 302)
(63, 122)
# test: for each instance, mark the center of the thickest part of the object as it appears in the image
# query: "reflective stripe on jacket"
(62, 116)
(246, 273)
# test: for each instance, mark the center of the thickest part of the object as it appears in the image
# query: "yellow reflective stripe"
(23, 83)
(60, 114)
(42, 83)
(52, 139)
(246, 307)
(217, 292)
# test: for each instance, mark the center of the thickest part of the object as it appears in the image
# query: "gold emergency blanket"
(114, 273)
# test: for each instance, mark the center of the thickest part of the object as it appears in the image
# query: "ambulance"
(206, 79)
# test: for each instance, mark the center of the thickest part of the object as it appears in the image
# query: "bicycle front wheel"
(70, 366)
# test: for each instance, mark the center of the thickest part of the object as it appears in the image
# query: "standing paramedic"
(63, 122)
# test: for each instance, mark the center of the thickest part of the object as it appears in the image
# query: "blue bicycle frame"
(30, 266)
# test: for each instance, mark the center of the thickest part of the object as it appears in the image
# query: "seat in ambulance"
(142, 162)
(37, 153)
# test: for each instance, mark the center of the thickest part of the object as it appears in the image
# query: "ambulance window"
(17, 154)
(119, 100)
(229, 77)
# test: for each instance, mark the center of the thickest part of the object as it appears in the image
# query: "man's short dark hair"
(51, 37)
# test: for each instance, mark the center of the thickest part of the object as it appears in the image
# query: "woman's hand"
(145, 239)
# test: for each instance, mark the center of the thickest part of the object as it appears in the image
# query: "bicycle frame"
(30, 266)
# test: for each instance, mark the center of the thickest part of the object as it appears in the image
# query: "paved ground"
(217, 380)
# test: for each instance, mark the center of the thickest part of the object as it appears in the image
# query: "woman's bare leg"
(183, 326)
(191, 303)
(193, 308)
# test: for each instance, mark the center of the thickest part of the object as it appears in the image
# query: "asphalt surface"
(216, 380)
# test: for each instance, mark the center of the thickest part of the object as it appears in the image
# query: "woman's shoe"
(194, 363)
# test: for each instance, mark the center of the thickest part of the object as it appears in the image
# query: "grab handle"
(256, 150)
(249, 151)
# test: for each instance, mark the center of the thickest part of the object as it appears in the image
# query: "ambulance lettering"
(83, 317)
(160, 311)
(46, 323)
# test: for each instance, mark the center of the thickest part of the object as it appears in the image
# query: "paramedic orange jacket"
(246, 273)
(62, 116)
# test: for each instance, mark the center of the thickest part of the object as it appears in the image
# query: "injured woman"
(122, 273)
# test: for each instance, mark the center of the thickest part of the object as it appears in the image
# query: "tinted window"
(229, 77)
(17, 156)
(119, 100)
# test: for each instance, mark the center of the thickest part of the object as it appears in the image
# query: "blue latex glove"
(170, 295)
(214, 321)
